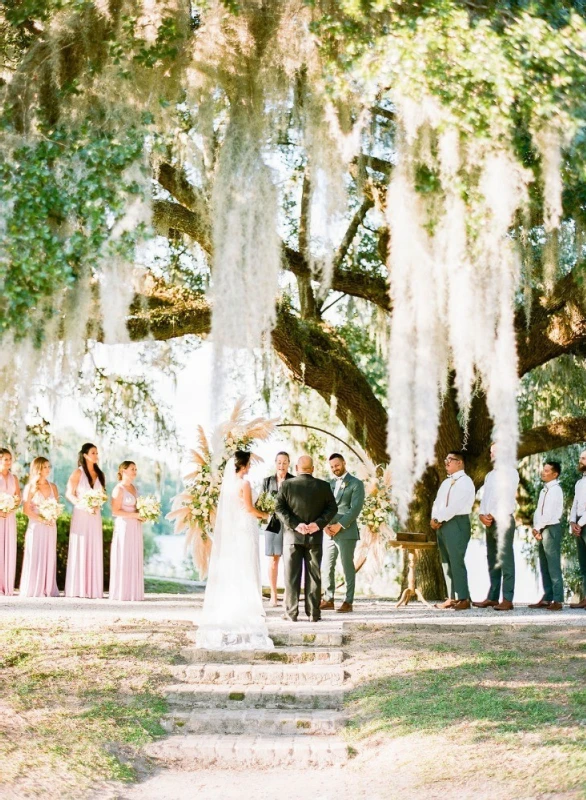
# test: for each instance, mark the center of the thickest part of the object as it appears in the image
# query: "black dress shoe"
(288, 618)
(315, 619)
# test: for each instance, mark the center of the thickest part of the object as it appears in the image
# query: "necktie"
(545, 491)
(454, 481)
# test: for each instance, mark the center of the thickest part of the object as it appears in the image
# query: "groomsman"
(501, 559)
(578, 525)
(343, 533)
(451, 519)
(547, 530)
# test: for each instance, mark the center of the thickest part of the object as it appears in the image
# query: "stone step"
(285, 655)
(189, 696)
(268, 722)
(299, 635)
(245, 674)
(193, 750)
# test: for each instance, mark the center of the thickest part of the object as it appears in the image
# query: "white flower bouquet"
(149, 508)
(50, 510)
(93, 500)
(8, 503)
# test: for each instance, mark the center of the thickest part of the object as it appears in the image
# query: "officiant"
(273, 531)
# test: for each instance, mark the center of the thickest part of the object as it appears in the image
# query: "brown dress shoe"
(485, 603)
(581, 604)
(504, 605)
(555, 606)
(326, 605)
(462, 605)
(345, 608)
(541, 604)
(446, 604)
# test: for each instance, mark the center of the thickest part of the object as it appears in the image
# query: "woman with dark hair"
(8, 485)
(85, 559)
(233, 617)
(126, 559)
(273, 531)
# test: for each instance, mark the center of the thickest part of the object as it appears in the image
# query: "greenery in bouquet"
(377, 515)
(149, 508)
(266, 502)
(50, 510)
(8, 503)
(194, 509)
(93, 500)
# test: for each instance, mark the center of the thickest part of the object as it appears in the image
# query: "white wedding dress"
(233, 617)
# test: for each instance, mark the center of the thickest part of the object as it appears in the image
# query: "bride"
(233, 617)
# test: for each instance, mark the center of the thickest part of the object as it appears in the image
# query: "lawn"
(498, 705)
(77, 705)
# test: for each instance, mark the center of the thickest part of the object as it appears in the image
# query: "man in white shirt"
(450, 517)
(578, 525)
(499, 550)
(548, 532)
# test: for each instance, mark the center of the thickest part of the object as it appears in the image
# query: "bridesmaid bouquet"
(266, 502)
(8, 502)
(50, 510)
(93, 500)
(149, 508)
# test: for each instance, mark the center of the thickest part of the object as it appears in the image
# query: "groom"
(305, 505)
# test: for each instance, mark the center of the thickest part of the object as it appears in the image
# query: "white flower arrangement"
(194, 510)
(93, 500)
(50, 510)
(149, 508)
(8, 503)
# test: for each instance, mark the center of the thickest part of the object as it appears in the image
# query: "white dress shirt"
(488, 504)
(454, 498)
(550, 506)
(338, 486)
(578, 513)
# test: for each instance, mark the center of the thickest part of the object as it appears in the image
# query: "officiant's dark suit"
(303, 500)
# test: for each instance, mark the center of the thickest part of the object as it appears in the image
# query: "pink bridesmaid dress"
(7, 540)
(85, 558)
(126, 560)
(39, 568)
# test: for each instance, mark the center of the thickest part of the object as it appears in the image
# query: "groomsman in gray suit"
(343, 533)
(578, 525)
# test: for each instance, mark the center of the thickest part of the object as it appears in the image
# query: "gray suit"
(304, 499)
(350, 500)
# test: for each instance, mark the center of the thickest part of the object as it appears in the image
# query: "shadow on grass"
(500, 691)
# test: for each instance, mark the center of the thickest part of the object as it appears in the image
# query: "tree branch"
(560, 433)
(558, 325)
(352, 230)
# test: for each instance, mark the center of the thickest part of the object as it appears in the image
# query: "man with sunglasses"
(451, 519)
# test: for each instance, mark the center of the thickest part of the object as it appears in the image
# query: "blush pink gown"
(7, 540)
(126, 560)
(85, 558)
(39, 568)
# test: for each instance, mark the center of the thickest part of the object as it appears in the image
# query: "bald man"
(305, 505)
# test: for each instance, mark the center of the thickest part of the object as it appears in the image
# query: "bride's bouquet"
(149, 508)
(8, 503)
(93, 500)
(266, 503)
(50, 510)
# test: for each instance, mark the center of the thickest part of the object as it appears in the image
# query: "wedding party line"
(339, 522)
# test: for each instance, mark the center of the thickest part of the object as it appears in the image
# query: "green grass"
(77, 706)
(521, 690)
(167, 586)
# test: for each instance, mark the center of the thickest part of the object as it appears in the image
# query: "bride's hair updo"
(241, 459)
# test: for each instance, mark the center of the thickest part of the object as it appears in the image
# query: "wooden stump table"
(412, 592)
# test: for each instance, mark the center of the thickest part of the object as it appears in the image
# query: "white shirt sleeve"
(574, 511)
(459, 499)
(549, 508)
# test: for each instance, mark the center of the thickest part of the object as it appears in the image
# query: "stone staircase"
(242, 709)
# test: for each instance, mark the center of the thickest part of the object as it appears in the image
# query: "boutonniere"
(342, 486)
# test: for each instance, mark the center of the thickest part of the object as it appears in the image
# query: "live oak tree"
(199, 123)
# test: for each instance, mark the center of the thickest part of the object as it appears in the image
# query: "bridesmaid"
(85, 560)
(126, 566)
(39, 568)
(8, 485)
